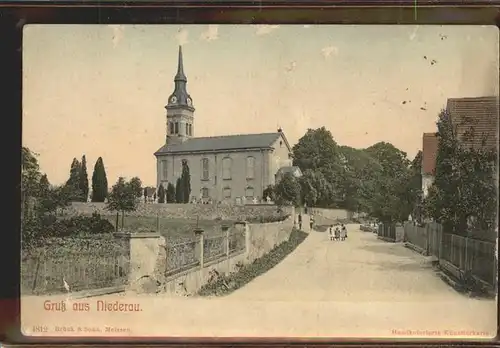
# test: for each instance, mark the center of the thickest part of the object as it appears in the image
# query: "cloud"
(212, 33)
(118, 31)
(182, 36)
(329, 50)
(264, 29)
(413, 35)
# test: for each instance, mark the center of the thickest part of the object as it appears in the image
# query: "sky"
(100, 90)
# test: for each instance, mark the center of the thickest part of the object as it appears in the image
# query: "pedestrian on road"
(330, 232)
(343, 232)
(311, 222)
(300, 222)
(337, 233)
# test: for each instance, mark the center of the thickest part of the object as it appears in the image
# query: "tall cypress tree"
(99, 182)
(84, 179)
(185, 182)
(179, 195)
(73, 183)
(161, 194)
(170, 193)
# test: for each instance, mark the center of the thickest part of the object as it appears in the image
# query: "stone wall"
(332, 213)
(148, 258)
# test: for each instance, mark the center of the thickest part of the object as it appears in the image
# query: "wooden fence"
(458, 254)
(46, 274)
(390, 232)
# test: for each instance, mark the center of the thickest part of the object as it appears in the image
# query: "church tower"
(180, 108)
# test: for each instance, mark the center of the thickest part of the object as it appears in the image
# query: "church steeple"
(180, 96)
(180, 108)
(180, 68)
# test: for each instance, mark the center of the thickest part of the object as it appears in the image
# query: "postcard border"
(15, 15)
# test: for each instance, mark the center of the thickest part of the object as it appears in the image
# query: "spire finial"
(180, 67)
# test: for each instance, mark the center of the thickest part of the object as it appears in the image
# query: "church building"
(223, 168)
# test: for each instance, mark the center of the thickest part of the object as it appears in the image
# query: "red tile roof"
(475, 120)
(429, 153)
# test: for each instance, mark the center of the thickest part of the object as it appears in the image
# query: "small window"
(227, 192)
(171, 125)
(226, 168)
(204, 192)
(176, 128)
(281, 143)
(204, 169)
(250, 167)
(249, 194)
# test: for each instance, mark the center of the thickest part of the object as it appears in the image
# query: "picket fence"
(457, 253)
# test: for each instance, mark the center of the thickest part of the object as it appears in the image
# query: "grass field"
(170, 228)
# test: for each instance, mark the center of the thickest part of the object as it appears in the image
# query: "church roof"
(219, 143)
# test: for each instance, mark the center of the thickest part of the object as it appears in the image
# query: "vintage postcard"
(260, 181)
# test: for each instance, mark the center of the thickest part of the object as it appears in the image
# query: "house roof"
(226, 142)
(429, 152)
(475, 120)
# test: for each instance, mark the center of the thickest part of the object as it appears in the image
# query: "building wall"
(427, 181)
(266, 165)
(278, 158)
(216, 183)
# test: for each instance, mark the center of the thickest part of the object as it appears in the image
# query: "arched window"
(205, 169)
(171, 125)
(226, 168)
(176, 127)
(250, 167)
(227, 192)
(249, 193)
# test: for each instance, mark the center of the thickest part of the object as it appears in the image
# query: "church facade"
(223, 168)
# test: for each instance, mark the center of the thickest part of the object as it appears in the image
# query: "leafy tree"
(161, 194)
(99, 182)
(179, 194)
(269, 192)
(287, 190)
(317, 151)
(463, 196)
(315, 189)
(136, 185)
(84, 179)
(389, 187)
(30, 178)
(122, 198)
(170, 193)
(185, 182)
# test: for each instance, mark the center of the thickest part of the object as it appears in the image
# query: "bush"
(262, 219)
(35, 230)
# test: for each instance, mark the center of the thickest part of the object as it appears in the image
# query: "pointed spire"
(180, 68)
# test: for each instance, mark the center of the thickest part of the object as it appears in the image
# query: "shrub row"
(185, 211)
(36, 230)
(224, 285)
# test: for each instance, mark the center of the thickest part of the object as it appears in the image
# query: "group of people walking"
(338, 232)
